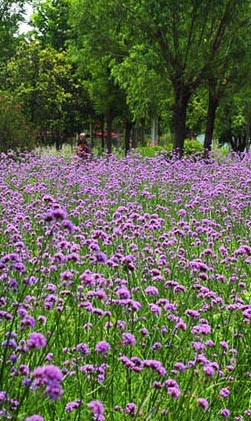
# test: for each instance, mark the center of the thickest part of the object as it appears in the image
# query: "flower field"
(125, 290)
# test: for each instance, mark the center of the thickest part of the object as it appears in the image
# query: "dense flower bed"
(125, 289)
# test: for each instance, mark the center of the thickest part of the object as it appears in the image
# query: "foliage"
(92, 46)
(130, 61)
(11, 14)
(146, 90)
(151, 151)
(234, 112)
(196, 113)
(45, 85)
(15, 132)
(181, 42)
(191, 147)
(50, 23)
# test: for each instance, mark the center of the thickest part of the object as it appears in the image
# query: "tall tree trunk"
(109, 132)
(182, 96)
(91, 135)
(102, 134)
(128, 128)
(135, 136)
(58, 142)
(141, 134)
(247, 130)
(154, 131)
(213, 103)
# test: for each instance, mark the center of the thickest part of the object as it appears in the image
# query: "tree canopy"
(134, 61)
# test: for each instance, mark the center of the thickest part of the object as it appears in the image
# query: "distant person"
(83, 148)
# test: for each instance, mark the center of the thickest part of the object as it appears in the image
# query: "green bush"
(191, 147)
(151, 151)
(15, 133)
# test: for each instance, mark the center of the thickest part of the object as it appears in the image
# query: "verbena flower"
(50, 377)
(70, 406)
(203, 403)
(36, 340)
(128, 339)
(102, 347)
(225, 413)
(224, 392)
(131, 409)
(97, 409)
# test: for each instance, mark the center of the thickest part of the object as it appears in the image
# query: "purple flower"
(224, 344)
(224, 392)
(144, 331)
(101, 257)
(203, 328)
(59, 214)
(209, 370)
(102, 347)
(51, 377)
(3, 396)
(24, 370)
(182, 212)
(155, 309)
(203, 403)
(151, 290)
(10, 343)
(70, 406)
(156, 345)
(97, 409)
(172, 388)
(27, 321)
(210, 343)
(131, 409)
(192, 313)
(128, 339)
(248, 413)
(155, 365)
(123, 292)
(26, 382)
(174, 392)
(68, 225)
(180, 366)
(34, 418)
(83, 349)
(36, 340)
(225, 412)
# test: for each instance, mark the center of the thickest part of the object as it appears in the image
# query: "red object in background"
(104, 134)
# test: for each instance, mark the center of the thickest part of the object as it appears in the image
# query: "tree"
(230, 75)
(51, 31)
(145, 88)
(11, 14)
(89, 51)
(43, 83)
(233, 119)
(15, 132)
(50, 23)
(189, 38)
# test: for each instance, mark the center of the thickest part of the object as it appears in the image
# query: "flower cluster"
(49, 377)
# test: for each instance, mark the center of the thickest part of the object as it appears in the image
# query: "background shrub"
(191, 147)
(15, 132)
